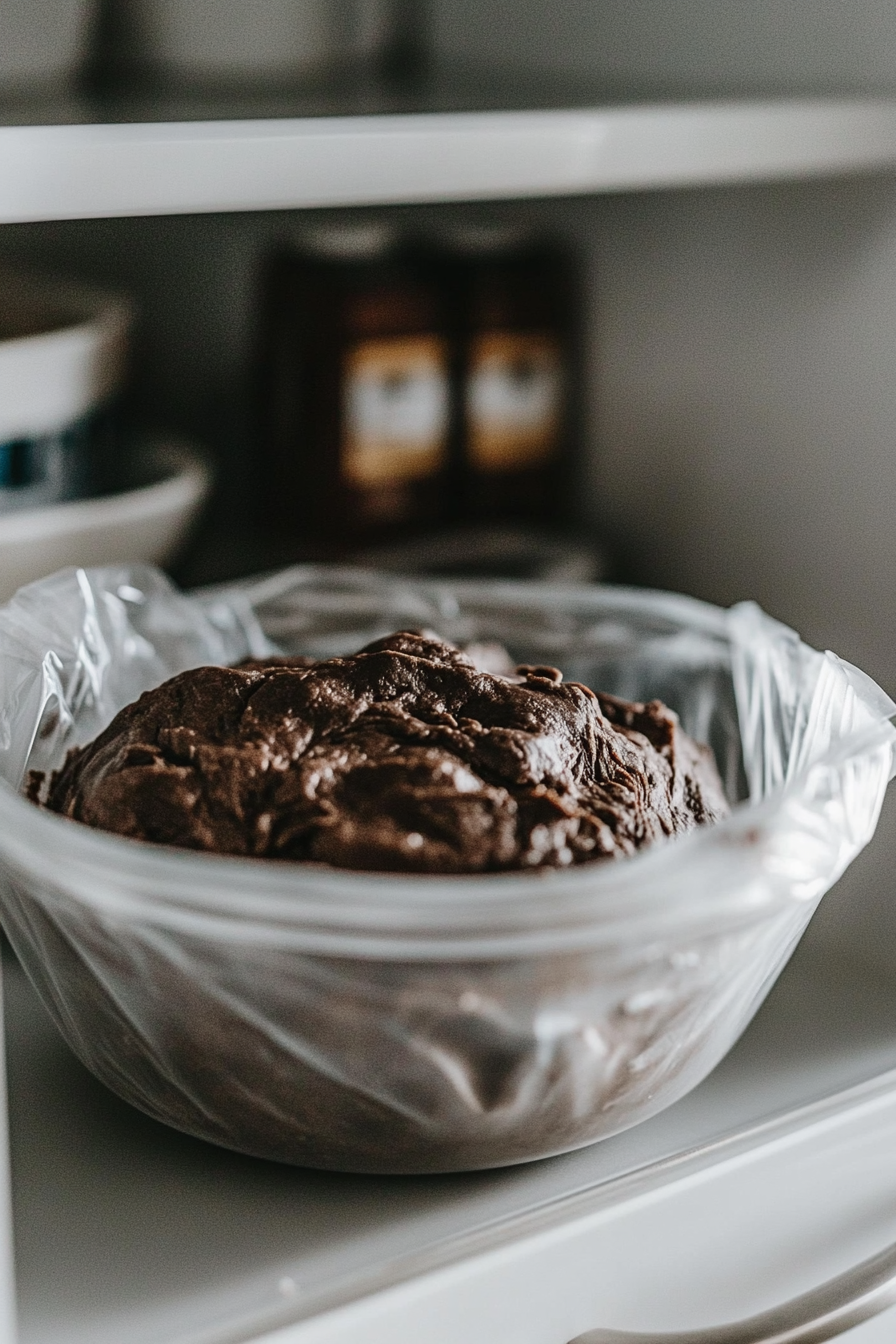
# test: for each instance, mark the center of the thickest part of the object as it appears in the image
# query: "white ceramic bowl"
(62, 350)
(148, 523)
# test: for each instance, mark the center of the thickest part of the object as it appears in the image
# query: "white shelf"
(129, 1233)
(147, 167)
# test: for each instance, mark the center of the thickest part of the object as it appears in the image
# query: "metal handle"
(838, 1305)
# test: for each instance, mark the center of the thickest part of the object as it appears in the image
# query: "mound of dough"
(404, 757)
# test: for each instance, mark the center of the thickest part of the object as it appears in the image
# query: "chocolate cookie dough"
(404, 757)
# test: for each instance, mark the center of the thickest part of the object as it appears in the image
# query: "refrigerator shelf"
(128, 1232)
(458, 140)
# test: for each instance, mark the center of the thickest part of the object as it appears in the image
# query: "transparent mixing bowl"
(395, 1023)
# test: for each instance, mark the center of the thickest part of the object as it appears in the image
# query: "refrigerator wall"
(743, 436)
(808, 45)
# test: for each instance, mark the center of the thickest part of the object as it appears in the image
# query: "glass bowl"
(405, 1024)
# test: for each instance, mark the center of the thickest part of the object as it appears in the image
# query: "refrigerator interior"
(737, 442)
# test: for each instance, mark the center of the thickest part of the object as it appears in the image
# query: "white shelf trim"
(91, 171)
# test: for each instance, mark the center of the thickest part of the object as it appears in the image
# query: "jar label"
(514, 400)
(396, 410)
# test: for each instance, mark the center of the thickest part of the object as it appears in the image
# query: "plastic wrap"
(393, 1023)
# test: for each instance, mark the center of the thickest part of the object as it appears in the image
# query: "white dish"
(62, 350)
(146, 524)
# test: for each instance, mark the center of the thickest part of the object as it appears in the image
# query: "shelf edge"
(159, 168)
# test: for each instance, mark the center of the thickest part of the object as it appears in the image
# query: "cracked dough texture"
(404, 757)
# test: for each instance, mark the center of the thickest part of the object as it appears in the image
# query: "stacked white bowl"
(62, 352)
(62, 358)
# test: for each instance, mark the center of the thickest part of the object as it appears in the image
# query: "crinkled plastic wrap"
(378, 1023)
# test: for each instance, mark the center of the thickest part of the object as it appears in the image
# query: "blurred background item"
(494, 550)
(416, 392)
(513, 332)
(254, 44)
(62, 359)
(145, 522)
(76, 486)
(214, 41)
(392, 39)
(43, 45)
(355, 390)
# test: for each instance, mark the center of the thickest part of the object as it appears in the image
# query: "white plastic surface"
(8, 1322)
(171, 167)
(713, 1244)
(146, 524)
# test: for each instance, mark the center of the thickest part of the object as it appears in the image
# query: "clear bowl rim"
(317, 903)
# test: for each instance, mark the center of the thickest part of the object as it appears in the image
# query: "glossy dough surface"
(402, 757)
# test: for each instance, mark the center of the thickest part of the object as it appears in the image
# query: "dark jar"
(514, 371)
(356, 398)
